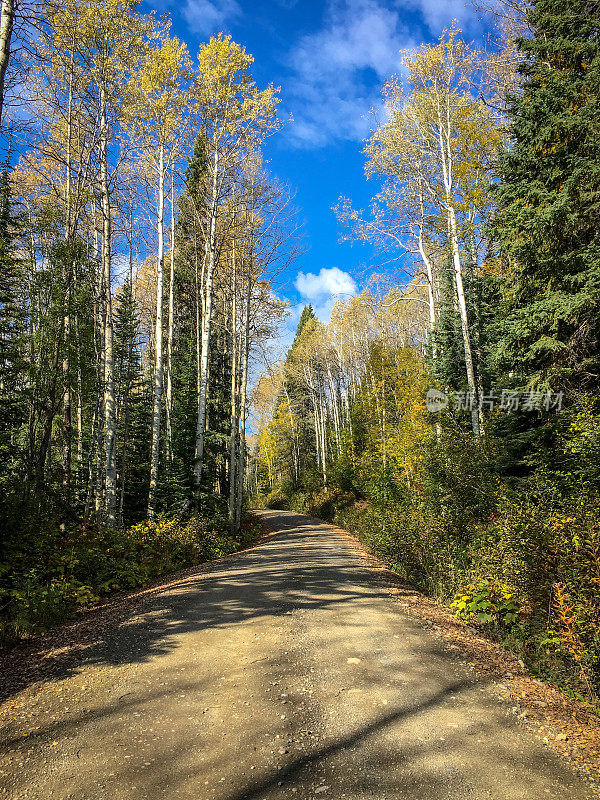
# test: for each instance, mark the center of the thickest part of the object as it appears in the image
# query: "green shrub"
(530, 571)
(299, 502)
(489, 602)
(45, 578)
(328, 501)
(277, 500)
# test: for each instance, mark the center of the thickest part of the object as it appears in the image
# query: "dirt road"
(285, 671)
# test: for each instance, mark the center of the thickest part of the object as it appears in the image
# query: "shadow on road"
(288, 572)
(292, 770)
(415, 747)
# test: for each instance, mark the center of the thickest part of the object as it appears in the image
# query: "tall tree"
(113, 35)
(7, 18)
(13, 335)
(439, 142)
(547, 221)
(156, 111)
(235, 116)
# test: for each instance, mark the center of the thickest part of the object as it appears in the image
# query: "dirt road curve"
(285, 671)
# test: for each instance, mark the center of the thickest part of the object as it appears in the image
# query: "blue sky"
(330, 59)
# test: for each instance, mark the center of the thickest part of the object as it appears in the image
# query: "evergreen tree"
(549, 204)
(12, 338)
(179, 473)
(448, 366)
(307, 314)
(131, 395)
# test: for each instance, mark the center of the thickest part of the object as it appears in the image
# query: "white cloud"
(325, 289)
(208, 18)
(439, 15)
(362, 34)
(321, 291)
(329, 282)
(337, 71)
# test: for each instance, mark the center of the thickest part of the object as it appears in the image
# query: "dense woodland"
(486, 175)
(448, 414)
(139, 234)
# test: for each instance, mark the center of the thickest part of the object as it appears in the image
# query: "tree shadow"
(293, 770)
(292, 570)
(298, 569)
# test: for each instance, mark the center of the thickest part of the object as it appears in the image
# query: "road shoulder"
(568, 726)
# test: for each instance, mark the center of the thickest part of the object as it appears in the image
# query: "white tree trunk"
(323, 438)
(313, 396)
(91, 473)
(233, 438)
(79, 403)
(430, 283)
(295, 446)
(335, 407)
(110, 425)
(445, 150)
(67, 277)
(169, 387)
(6, 29)
(464, 320)
(207, 298)
(97, 465)
(158, 337)
(241, 461)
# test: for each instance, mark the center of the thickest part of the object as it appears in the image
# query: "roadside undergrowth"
(47, 575)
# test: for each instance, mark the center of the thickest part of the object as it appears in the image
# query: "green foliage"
(307, 316)
(529, 570)
(47, 574)
(408, 537)
(448, 367)
(328, 502)
(13, 323)
(489, 602)
(516, 551)
(457, 480)
(276, 499)
(176, 483)
(546, 224)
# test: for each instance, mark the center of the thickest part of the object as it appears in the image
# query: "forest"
(140, 231)
(448, 414)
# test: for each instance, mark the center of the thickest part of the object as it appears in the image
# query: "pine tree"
(127, 386)
(12, 338)
(307, 314)
(549, 204)
(447, 366)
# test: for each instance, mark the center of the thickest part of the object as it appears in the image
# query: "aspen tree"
(7, 19)
(59, 91)
(112, 36)
(266, 246)
(156, 116)
(170, 321)
(440, 128)
(397, 224)
(235, 117)
(234, 414)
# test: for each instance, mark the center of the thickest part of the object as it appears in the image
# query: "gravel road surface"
(284, 671)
